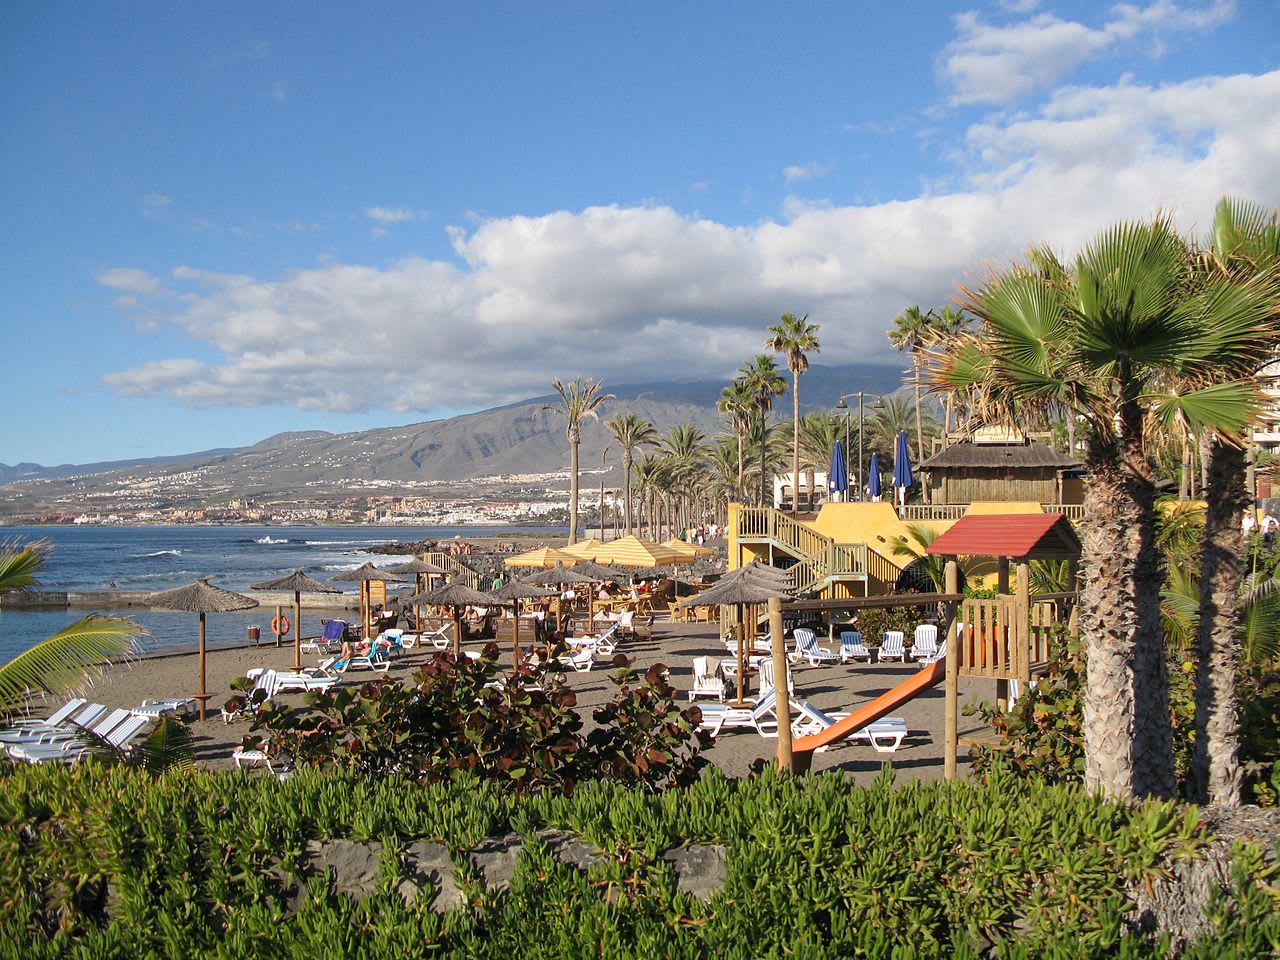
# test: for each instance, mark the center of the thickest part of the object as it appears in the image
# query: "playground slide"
(932, 675)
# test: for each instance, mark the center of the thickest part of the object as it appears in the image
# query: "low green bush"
(102, 861)
(466, 717)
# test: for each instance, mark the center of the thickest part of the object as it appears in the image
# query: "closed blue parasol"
(873, 477)
(902, 467)
(838, 475)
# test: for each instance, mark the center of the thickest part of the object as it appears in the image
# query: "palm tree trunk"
(795, 442)
(1128, 741)
(762, 446)
(740, 466)
(573, 492)
(626, 483)
(1215, 760)
(915, 363)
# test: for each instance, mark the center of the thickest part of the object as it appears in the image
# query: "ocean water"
(85, 558)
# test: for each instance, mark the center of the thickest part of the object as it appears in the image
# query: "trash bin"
(255, 632)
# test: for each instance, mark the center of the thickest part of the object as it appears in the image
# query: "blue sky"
(227, 220)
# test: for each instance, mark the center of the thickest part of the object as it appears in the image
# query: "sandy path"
(832, 688)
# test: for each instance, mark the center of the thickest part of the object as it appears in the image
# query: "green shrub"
(467, 718)
(112, 862)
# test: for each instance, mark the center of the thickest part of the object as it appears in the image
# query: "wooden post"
(1022, 625)
(781, 694)
(738, 629)
(1002, 588)
(297, 630)
(457, 632)
(202, 697)
(951, 708)
(277, 622)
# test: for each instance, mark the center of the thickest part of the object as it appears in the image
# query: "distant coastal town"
(175, 499)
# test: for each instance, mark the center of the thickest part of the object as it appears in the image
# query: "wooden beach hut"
(1002, 465)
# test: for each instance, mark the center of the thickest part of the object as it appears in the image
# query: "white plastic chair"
(892, 643)
(706, 682)
(852, 648)
(763, 716)
(925, 642)
(807, 649)
(121, 737)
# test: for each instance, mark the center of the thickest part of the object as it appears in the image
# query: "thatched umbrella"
(455, 594)
(515, 591)
(364, 574)
(751, 584)
(558, 575)
(421, 569)
(201, 597)
(299, 583)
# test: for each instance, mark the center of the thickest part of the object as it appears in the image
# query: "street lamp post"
(841, 405)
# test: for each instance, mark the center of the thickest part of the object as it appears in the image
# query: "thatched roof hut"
(1014, 469)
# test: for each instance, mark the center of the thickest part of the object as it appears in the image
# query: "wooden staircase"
(819, 560)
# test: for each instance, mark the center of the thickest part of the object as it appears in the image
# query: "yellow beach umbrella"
(585, 549)
(689, 549)
(543, 557)
(634, 552)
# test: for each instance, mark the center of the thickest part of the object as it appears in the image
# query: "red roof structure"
(1019, 536)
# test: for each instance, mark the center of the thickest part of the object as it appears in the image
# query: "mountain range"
(521, 438)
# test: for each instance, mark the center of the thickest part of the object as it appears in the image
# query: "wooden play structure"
(1003, 638)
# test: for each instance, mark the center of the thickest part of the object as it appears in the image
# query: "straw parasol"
(201, 597)
(515, 591)
(421, 569)
(541, 557)
(455, 594)
(558, 575)
(598, 573)
(299, 583)
(748, 585)
(364, 574)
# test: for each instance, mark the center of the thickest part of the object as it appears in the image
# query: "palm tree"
(631, 433)
(945, 325)
(819, 434)
(1101, 339)
(737, 402)
(913, 329)
(649, 469)
(762, 378)
(1239, 270)
(794, 336)
(68, 658)
(579, 399)
(684, 445)
(893, 414)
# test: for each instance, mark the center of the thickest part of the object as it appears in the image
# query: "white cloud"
(987, 63)
(388, 215)
(808, 171)
(633, 293)
(156, 207)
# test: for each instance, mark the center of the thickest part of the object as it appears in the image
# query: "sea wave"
(162, 553)
(270, 539)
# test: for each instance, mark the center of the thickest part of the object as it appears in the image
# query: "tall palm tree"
(1241, 268)
(649, 469)
(1102, 339)
(795, 337)
(579, 399)
(765, 382)
(737, 402)
(631, 433)
(67, 659)
(945, 325)
(913, 329)
(684, 445)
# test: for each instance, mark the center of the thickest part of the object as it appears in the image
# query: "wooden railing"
(1006, 640)
(455, 570)
(818, 555)
(883, 569)
(933, 511)
(1072, 511)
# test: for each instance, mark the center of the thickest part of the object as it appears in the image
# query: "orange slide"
(802, 749)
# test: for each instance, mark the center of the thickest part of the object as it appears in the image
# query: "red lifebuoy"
(279, 626)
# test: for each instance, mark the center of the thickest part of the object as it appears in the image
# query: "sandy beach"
(674, 644)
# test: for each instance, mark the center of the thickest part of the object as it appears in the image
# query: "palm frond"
(167, 747)
(20, 563)
(1226, 408)
(70, 658)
